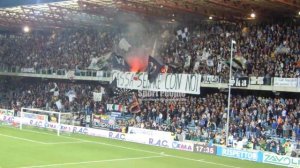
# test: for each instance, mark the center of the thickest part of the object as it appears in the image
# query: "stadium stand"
(260, 120)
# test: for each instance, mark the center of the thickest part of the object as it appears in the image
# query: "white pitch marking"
(95, 161)
(141, 150)
(147, 151)
(57, 143)
(34, 141)
(24, 139)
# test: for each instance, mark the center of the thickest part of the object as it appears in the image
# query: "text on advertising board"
(158, 142)
(281, 160)
(116, 135)
(182, 146)
(239, 154)
(201, 148)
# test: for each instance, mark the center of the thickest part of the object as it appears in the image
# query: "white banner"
(27, 70)
(39, 117)
(150, 133)
(183, 83)
(6, 112)
(100, 73)
(288, 82)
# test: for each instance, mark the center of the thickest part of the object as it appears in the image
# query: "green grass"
(33, 147)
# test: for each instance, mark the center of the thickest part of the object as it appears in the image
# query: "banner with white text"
(286, 82)
(182, 83)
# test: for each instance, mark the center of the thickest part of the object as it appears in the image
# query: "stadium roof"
(12, 3)
(74, 13)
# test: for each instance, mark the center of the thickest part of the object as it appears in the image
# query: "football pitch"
(39, 148)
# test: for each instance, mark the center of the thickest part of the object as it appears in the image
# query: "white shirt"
(283, 113)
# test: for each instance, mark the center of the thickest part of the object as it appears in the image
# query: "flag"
(241, 61)
(220, 66)
(282, 49)
(238, 63)
(196, 66)
(205, 54)
(55, 90)
(187, 61)
(235, 66)
(121, 94)
(98, 63)
(118, 62)
(182, 34)
(297, 64)
(154, 68)
(112, 87)
(124, 45)
(113, 83)
(134, 106)
(58, 104)
(116, 107)
(228, 34)
(97, 96)
(71, 94)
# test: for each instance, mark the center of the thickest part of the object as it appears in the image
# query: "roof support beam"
(291, 3)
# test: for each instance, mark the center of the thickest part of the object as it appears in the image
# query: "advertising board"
(240, 154)
(151, 133)
(280, 160)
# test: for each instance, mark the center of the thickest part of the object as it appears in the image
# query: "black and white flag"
(183, 34)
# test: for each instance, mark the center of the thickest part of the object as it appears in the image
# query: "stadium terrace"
(142, 83)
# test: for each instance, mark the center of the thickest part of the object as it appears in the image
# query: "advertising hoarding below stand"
(288, 161)
(250, 155)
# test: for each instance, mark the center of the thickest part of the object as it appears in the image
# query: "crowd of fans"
(72, 97)
(67, 50)
(263, 50)
(254, 120)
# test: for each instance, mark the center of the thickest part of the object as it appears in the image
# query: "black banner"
(145, 95)
(210, 79)
(201, 148)
(241, 82)
(260, 80)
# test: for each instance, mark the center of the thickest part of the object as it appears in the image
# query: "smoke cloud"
(141, 35)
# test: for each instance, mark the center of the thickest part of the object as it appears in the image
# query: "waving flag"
(124, 45)
(154, 68)
(182, 34)
(118, 62)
